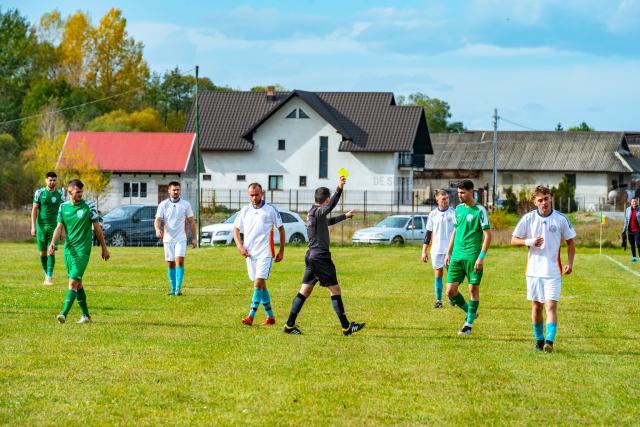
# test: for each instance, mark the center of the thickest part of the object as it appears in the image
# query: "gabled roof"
(157, 152)
(533, 151)
(367, 121)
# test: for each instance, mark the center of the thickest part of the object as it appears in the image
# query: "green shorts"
(461, 268)
(44, 234)
(76, 264)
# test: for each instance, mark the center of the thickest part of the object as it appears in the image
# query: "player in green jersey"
(46, 202)
(77, 217)
(467, 250)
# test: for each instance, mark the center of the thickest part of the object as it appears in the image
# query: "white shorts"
(437, 260)
(543, 289)
(175, 249)
(259, 268)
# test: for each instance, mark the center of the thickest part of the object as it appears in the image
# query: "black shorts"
(319, 268)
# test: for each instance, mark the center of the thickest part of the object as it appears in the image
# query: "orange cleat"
(269, 321)
(247, 321)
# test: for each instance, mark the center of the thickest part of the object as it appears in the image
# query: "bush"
(511, 202)
(525, 200)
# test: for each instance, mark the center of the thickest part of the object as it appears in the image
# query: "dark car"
(130, 225)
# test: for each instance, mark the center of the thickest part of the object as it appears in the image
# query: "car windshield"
(230, 219)
(121, 212)
(393, 222)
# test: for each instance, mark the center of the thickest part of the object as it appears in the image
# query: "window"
(417, 223)
(143, 189)
(134, 189)
(146, 214)
(241, 177)
(291, 115)
(303, 181)
(302, 114)
(324, 157)
(127, 190)
(275, 182)
(281, 144)
(287, 218)
(206, 177)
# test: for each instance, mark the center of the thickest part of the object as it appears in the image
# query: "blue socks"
(255, 302)
(266, 301)
(171, 272)
(438, 288)
(538, 333)
(179, 277)
(551, 331)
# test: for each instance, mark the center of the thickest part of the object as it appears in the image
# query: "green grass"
(153, 359)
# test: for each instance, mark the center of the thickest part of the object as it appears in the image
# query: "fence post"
(297, 192)
(289, 199)
(364, 213)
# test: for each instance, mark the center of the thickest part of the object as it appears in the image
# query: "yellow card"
(343, 172)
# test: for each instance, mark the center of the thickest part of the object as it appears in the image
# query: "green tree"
(145, 120)
(559, 127)
(15, 184)
(436, 110)
(564, 196)
(511, 202)
(582, 127)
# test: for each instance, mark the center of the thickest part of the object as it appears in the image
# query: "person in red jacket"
(632, 227)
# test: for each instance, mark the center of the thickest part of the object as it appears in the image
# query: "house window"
(324, 156)
(281, 144)
(291, 115)
(571, 177)
(206, 177)
(241, 177)
(275, 182)
(303, 181)
(134, 189)
(302, 114)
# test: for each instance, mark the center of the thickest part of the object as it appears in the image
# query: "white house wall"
(368, 171)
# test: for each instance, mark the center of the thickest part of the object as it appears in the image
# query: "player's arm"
(447, 258)
(571, 253)
(486, 241)
(194, 236)
(157, 224)
(335, 198)
(238, 240)
(534, 241)
(100, 236)
(34, 216)
(425, 246)
(280, 253)
(56, 236)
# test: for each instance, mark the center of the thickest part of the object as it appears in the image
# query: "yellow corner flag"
(603, 218)
(343, 172)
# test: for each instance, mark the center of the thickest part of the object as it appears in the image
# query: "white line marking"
(623, 266)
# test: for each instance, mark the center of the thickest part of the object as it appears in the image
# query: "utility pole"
(495, 157)
(197, 161)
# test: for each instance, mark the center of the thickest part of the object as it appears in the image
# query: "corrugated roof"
(158, 152)
(532, 151)
(368, 121)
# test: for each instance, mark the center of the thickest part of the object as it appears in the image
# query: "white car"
(395, 229)
(295, 230)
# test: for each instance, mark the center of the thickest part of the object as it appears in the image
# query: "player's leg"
(72, 293)
(82, 302)
(263, 270)
(633, 242)
(41, 243)
(308, 283)
(348, 328)
(51, 259)
(552, 288)
(180, 253)
(257, 290)
(455, 276)
(437, 262)
(538, 325)
(169, 256)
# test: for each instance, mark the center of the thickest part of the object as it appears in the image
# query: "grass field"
(153, 359)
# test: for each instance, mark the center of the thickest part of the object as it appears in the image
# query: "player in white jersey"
(256, 222)
(172, 217)
(440, 224)
(542, 231)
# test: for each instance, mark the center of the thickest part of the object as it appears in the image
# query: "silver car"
(394, 229)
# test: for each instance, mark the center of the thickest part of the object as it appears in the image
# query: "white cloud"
(487, 50)
(626, 17)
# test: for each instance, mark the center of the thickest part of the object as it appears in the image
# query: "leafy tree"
(15, 185)
(145, 120)
(278, 88)
(559, 127)
(582, 127)
(456, 127)
(511, 202)
(436, 110)
(525, 200)
(76, 48)
(564, 196)
(80, 163)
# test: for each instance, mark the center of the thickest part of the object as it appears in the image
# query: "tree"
(436, 111)
(559, 127)
(278, 88)
(15, 185)
(582, 127)
(511, 202)
(80, 163)
(564, 196)
(76, 48)
(145, 120)
(50, 132)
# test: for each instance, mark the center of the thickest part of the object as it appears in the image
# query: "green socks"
(473, 309)
(51, 262)
(71, 297)
(43, 262)
(460, 302)
(82, 302)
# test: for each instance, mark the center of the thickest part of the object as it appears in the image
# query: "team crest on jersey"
(553, 228)
(469, 217)
(53, 199)
(79, 214)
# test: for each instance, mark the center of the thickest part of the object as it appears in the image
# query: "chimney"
(271, 93)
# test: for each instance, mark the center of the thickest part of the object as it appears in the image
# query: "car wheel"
(118, 239)
(398, 240)
(297, 239)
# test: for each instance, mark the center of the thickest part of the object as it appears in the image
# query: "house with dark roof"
(594, 162)
(141, 163)
(299, 140)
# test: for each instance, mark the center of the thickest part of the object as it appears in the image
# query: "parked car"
(222, 233)
(130, 225)
(394, 229)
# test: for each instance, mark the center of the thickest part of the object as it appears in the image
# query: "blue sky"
(539, 62)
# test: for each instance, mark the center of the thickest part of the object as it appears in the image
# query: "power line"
(517, 124)
(73, 107)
